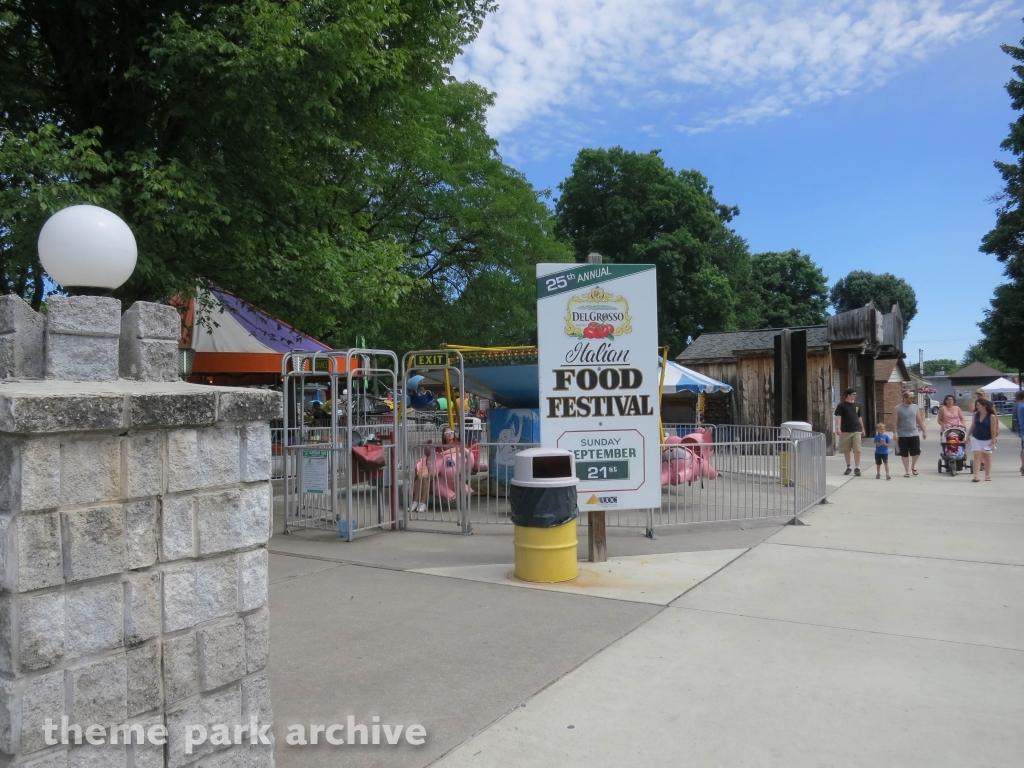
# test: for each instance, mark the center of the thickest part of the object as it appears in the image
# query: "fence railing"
(745, 473)
(362, 497)
(752, 479)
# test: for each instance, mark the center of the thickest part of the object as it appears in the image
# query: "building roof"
(884, 369)
(727, 344)
(894, 371)
(976, 370)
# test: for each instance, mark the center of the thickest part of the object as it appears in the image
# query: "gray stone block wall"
(82, 338)
(149, 342)
(134, 518)
(21, 339)
(86, 338)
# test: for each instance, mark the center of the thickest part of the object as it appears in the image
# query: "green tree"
(860, 287)
(978, 353)
(792, 290)
(1003, 326)
(931, 367)
(472, 229)
(313, 156)
(1006, 240)
(631, 207)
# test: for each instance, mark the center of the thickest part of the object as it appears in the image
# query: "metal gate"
(343, 450)
(363, 460)
(435, 474)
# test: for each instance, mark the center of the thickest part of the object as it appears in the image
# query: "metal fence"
(758, 472)
(446, 497)
(337, 470)
(359, 498)
(778, 476)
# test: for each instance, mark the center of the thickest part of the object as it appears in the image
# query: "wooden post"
(783, 383)
(597, 536)
(597, 539)
(798, 366)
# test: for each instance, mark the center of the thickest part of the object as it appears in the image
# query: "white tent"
(681, 379)
(1001, 385)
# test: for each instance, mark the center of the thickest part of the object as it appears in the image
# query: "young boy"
(882, 442)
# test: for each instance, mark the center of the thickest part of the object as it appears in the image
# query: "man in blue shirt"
(1020, 426)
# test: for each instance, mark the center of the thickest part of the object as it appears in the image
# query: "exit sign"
(434, 360)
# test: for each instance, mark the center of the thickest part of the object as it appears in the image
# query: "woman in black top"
(983, 434)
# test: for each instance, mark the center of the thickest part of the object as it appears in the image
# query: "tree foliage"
(860, 287)
(313, 156)
(940, 364)
(1003, 326)
(792, 290)
(1006, 240)
(977, 353)
(632, 208)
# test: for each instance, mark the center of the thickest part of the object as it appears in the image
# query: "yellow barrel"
(546, 554)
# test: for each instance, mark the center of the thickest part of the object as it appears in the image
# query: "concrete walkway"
(888, 631)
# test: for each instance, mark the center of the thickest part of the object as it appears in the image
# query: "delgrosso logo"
(597, 314)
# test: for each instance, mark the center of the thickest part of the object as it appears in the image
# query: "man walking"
(850, 428)
(908, 436)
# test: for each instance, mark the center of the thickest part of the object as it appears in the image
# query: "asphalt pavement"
(887, 631)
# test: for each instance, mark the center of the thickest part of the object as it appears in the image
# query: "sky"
(861, 133)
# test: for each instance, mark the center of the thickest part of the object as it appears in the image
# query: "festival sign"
(597, 330)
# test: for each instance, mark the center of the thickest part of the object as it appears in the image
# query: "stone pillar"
(134, 517)
(149, 342)
(82, 338)
(21, 339)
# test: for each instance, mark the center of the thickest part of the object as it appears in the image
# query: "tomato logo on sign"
(597, 314)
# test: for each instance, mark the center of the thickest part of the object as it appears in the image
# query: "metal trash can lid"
(545, 468)
(802, 426)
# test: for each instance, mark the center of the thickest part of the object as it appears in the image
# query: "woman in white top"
(984, 435)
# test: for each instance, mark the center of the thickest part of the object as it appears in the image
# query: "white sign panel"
(597, 328)
(314, 471)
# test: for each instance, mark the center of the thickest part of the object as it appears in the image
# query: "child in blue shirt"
(882, 442)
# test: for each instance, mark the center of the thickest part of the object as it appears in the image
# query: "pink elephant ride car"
(688, 458)
(444, 464)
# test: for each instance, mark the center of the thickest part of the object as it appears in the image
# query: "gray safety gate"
(340, 469)
(419, 441)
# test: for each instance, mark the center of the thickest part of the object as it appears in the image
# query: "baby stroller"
(953, 451)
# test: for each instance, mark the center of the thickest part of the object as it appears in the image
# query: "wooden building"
(843, 353)
(745, 359)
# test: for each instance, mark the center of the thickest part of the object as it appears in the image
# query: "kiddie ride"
(445, 465)
(688, 458)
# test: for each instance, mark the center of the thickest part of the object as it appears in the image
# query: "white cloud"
(752, 60)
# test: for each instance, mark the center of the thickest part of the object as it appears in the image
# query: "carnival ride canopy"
(230, 336)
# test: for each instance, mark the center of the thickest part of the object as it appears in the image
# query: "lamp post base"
(87, 290)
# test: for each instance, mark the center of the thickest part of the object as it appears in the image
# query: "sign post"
(599, 381)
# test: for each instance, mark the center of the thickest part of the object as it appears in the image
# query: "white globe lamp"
(87, 249)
